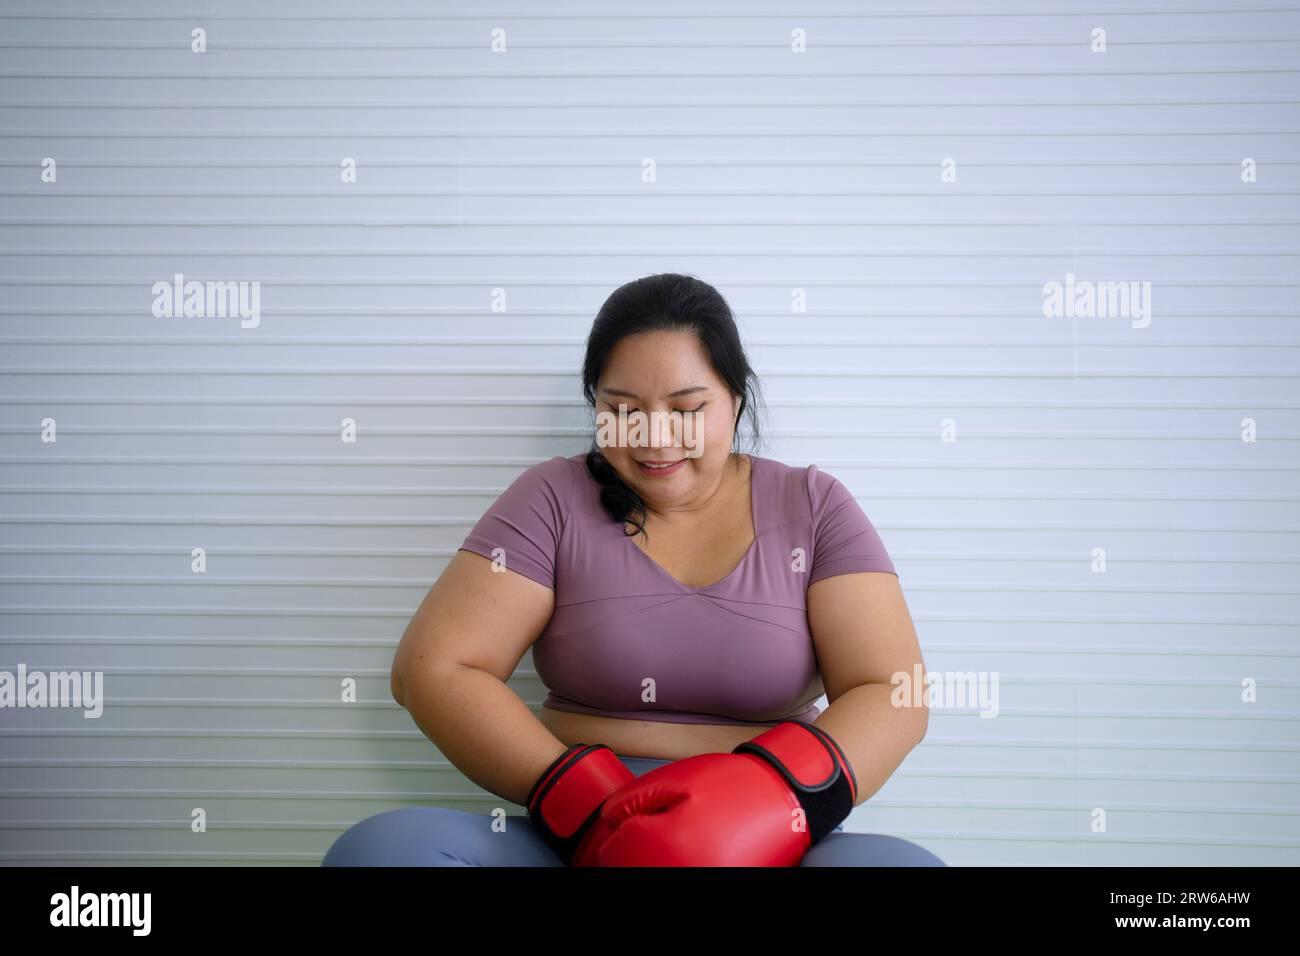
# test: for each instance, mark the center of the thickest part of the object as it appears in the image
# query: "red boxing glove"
(564, 801)
(763, 804)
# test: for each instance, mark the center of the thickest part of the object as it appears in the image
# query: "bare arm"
(450, 669)
(864, 635)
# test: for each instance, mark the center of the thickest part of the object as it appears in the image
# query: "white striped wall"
(522, 171)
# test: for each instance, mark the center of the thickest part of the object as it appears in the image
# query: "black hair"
(674, 303)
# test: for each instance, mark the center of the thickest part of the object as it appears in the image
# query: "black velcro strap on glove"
(814, 767)
(564, 801)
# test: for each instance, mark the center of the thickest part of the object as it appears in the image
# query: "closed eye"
(681, 411)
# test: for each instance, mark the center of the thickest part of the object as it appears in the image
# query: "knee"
(384, 838)
(900, 852)
(869, 849)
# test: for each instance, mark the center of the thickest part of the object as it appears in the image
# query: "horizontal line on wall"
(1102, 651)
(584, 316)
(686, 43)
(623, 103)
(417, 736)
(487, 372)
(924, 282)
(426, 796)
(551, 372)
(274, 763)
(1075, 839)
(213, 611)
(752, 341)
(607, 73)
(272, 703)
(387, 461)
(270, 581)
(401, 521)
(917, 803)
(501, 431)
(238, 826)
(1093, 775)
(783, 134)
(372, 222)
(114, 640)
(95, 858)
(1114, 713)
(240, 732)
(966, 713)
(1072, 807)
(383, 673)
(534, 401)
(414, 521)
(945, 13)
(1113, 556)
(587, 160)
(267, 763)
(553, 250)
(392, 491)
(942, 647)
(183, 825)
(404, 615)
(98, 858)
(345, 191)
(300, 825)
(1074, 744)
(80, 857)
(204, 671)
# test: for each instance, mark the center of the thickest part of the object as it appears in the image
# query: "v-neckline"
(744, 558)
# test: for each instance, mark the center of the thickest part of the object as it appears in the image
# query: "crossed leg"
(438, 836)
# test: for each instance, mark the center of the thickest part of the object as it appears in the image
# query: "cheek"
(713, 434)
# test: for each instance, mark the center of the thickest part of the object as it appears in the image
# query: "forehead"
(665, 360)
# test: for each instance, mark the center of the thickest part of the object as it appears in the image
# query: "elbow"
(396, 687)
(922, 724)
(921, 720)
(421, 679)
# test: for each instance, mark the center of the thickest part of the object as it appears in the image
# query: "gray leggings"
(439, 836)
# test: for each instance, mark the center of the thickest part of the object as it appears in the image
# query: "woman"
(682, 602)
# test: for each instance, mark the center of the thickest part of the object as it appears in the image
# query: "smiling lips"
(658, 466)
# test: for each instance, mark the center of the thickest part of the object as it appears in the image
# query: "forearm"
(873, 732)
(482, 727)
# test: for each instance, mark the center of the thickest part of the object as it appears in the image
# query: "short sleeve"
(844, 539)
(526, 522)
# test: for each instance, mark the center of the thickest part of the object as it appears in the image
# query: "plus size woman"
(686, 606)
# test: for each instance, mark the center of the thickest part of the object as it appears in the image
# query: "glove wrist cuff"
(564, 801)
(814, 767)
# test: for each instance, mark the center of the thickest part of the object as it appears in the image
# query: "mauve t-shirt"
(735, 652)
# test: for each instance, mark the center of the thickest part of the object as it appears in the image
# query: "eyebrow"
(676, 394)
